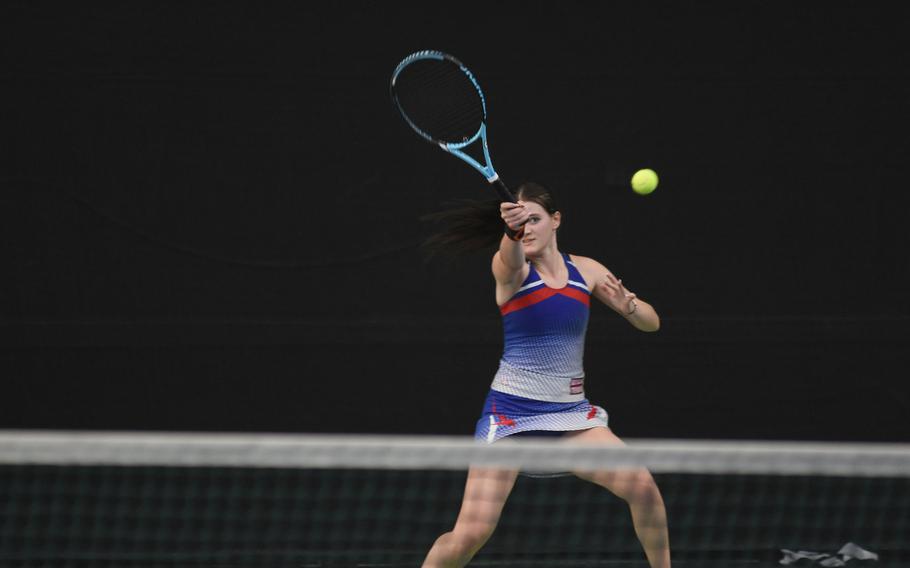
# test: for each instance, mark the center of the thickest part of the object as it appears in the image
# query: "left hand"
(616, 295)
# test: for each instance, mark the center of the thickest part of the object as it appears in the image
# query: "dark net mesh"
(390, 513)
(148, 516)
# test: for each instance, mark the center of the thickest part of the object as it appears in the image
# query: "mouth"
(526, 241)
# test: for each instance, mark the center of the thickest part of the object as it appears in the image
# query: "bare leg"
(638, 489)
(485, 495)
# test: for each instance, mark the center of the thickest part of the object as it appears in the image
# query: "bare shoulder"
(508, 280)
(592, 270)
(586, 263)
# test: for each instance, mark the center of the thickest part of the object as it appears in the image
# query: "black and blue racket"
(442, 101)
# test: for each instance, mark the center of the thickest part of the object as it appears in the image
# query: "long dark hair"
(470, 225)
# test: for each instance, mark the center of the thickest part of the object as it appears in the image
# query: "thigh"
(625, 483)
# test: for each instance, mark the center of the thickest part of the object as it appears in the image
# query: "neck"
(549, 261)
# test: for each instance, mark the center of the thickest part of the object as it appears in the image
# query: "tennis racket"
(441, 100)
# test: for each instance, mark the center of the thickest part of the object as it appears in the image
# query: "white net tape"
(452, 453)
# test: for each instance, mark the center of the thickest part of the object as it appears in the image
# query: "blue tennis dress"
(540, 382)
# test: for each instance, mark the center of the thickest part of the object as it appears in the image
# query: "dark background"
(210, 213)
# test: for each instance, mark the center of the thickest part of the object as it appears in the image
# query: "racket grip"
(506, 195)
(503, 191)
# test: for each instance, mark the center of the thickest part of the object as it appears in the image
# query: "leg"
(638, 489)
(485, 494)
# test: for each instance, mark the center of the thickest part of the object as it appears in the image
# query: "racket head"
(439, 98)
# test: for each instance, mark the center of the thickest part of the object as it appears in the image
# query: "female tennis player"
(544, 296)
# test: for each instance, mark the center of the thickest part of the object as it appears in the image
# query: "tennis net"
(181, 499)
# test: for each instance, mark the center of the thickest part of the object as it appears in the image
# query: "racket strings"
(462, 122)
(440, 100)
(444, 104)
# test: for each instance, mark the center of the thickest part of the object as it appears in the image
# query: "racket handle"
(506, 195)
(503, 191)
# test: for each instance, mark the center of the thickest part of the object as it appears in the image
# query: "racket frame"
(456, 148)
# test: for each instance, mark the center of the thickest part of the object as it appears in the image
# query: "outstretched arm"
(637, 311)
(611, 291)
(510, 259)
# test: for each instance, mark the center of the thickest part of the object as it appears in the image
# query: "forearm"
(643, 316)
(511, 253)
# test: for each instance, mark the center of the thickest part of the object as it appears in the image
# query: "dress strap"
(575, 276)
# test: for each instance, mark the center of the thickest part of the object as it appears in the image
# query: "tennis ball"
(644, 181)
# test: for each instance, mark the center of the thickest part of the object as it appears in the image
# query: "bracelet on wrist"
(513, 234)
(634, 307)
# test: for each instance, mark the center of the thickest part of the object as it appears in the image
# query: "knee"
(639, 488)
(456, 548)
(470, 537)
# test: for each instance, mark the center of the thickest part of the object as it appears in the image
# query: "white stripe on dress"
(581, 285)
(531, 285)
(491, 434)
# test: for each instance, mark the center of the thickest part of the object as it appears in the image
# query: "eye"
(533, 218)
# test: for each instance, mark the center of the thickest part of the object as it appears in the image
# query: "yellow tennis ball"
(644, 181)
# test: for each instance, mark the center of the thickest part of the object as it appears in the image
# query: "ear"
(557, 220)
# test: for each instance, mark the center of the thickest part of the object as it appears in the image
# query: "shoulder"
(591, 270)
(585, 263)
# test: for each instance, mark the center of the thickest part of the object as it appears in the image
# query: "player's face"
(540, 228)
